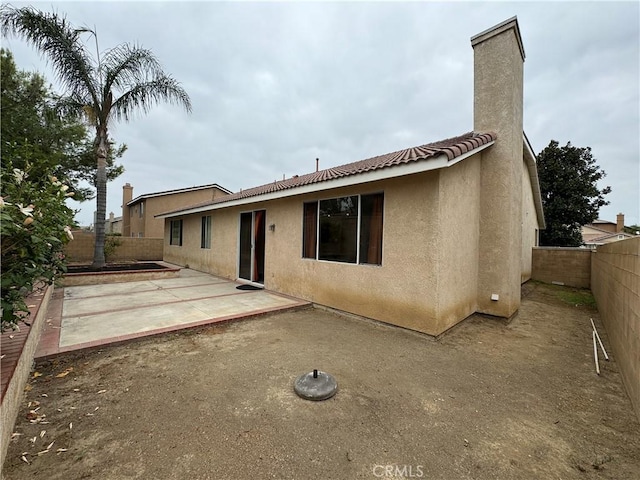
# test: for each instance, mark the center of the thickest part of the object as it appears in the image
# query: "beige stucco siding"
(402, 291)
(459, 238)
(529, 224)
(429, 272)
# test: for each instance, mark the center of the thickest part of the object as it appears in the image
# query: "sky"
(275, 85)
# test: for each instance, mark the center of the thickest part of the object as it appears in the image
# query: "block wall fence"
(615, 283)
(565, 266)
(80, 249)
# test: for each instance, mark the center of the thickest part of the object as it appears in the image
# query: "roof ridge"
(452, 148)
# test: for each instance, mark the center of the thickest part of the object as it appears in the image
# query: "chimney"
(620, 222)
(127, 196)
(498, 107)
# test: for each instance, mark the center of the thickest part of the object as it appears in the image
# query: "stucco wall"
(615, 283)
(568, 266)
(498, 107)
(80, 249)
(459, 227)
(529, 225)
(404, 290)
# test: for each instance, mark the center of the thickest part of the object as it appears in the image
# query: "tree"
(34, 133)
(570, 195)
(112, 86)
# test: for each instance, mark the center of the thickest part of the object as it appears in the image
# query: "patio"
(89, 316)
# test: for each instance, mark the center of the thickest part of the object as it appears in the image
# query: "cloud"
(275, 85)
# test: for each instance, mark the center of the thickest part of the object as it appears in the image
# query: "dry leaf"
(24, 459)
(36, 374)
(33, 440)
(42, 433)
(27, 388)
(42, 452)
(76, 389)
(44, 395)
(96, 409)
(50, 445)
(61, 450)
(102, 391)
(15, 434)
(71, 426)
(65, 373)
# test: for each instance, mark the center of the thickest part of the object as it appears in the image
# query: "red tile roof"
(451, 147)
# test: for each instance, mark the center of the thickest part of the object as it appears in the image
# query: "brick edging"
(19, 353)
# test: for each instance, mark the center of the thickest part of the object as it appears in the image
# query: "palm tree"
(115, 85)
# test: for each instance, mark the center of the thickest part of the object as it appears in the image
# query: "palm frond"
(145, 95)
(127, 65)
(56, 39)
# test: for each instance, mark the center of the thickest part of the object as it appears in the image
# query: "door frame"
(254, 238)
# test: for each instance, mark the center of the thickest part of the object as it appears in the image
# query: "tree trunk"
(101, 199)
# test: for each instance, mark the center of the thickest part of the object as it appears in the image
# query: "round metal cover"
(315, 385)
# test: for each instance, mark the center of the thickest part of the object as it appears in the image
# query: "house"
(139, 214)
(113, 225)
(600, 232)
(420, 238)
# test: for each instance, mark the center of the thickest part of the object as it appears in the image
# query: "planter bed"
(117, 273)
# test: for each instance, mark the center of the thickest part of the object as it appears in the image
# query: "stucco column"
(498, 107)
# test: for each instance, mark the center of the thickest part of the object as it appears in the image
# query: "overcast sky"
(276, 84)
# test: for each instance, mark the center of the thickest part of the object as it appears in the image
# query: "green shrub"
(35, 224)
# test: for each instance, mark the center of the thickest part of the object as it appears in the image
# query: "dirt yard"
(487, 400)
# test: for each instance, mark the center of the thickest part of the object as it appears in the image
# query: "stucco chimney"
(620, 222)
(498, 107)
(127, 196)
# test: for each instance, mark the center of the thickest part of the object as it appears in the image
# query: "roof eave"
(425, 165)
(530, 159)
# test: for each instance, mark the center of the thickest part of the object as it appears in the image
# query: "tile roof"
(451, 147)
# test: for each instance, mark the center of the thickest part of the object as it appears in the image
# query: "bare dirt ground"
(487, 400)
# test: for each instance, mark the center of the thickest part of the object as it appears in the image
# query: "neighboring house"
(114, 224)
(139, 213)
(420, 238)
(600, 232)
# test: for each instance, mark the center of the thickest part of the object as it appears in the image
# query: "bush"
(34, 226)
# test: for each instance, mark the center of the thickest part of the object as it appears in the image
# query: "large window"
(175, 234)
(205, 232)
(345, 229)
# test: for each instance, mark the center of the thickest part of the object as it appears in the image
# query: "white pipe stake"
(595, 352)
(606, 357)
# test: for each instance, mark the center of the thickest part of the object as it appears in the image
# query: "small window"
(205, 232)
(175, 235)
(141, 209)
(140, 235)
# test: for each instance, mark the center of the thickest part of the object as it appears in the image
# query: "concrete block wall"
(568, 266)
(615, 284)
(80, 249)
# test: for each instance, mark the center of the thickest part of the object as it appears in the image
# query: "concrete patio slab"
(94, 315)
